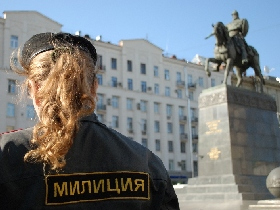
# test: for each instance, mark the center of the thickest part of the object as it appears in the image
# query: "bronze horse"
(226, 52)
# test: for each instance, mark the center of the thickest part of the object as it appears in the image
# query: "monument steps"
(217, 188)
(210, 196)
(224, 179)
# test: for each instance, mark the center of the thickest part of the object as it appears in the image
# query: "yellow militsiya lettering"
(73, 189)
(60, 190)
(139, 183)
(84, 188)
(128, 182)
(117, 186)
(96, 189)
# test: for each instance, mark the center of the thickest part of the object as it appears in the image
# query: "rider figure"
(236, 31)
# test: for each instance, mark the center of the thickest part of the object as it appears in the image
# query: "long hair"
(66, 85)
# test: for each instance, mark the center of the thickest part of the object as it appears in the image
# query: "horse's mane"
(225, 33)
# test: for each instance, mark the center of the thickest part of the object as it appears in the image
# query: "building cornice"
(34, 12)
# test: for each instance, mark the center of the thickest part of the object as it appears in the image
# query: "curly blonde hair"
(66, 92)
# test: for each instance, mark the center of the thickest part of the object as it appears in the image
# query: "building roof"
(145, 40)
(31, 11)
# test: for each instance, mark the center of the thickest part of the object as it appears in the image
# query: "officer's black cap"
(49, 41)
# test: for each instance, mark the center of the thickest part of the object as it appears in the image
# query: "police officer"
(238, 29)
(70, 160)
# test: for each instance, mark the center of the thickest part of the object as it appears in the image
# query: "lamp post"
(189, 121)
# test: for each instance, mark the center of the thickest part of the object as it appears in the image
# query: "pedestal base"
(266, 204)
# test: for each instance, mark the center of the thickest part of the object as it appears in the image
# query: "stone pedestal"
(239, 144)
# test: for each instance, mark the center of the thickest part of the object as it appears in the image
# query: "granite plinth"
(239, 144)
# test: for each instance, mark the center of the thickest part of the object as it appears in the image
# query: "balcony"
(194, 137)
(183, 119)
(101, 108)
(192, 86)
(101, 68)
(184, 136)
(194, 119)
(180, 84)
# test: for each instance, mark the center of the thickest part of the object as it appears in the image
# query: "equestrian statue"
(232, 49)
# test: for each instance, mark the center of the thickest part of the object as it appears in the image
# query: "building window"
(179, 76)
(179, 93)
(114, 63)
(99, 62)
(190, 79)
(170, 146)
(114, 82)
(193, 114)
(169, 127)
(213, 82)
(183, 147)
(194, 147)
(99, 79)
(194, 132)
(129, 124)
(30, 112)
(11, 86)
(143, 86)
(200, 82)
(168, 110)
(182, 128)
(14, 41)
(156, 108)
(100, 117)
(11, 110)
(181, 111)
(157, 145)
(100, 100)
(130, 84)
(115, 101)
(156, 89)
(183, 165)
(143, 125)
(156, 71)
(129, 65)
(171, 165)
(167, 91)
(157, 126)
(115, 121)
(145, 142)
(143, 106)
(191, 96)
(195, 167)
(143, 68)
(166, 74)
(129, 103)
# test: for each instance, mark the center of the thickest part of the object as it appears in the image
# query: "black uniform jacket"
(104, 170)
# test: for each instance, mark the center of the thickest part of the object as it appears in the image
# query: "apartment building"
(149, 97)
(16, 27)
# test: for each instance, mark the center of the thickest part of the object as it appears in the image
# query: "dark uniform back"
(104, 170)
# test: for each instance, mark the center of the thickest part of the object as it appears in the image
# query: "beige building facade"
(16, 27)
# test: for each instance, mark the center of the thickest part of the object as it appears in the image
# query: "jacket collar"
(92, 118)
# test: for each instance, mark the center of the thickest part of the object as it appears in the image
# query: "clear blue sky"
(177, 26)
